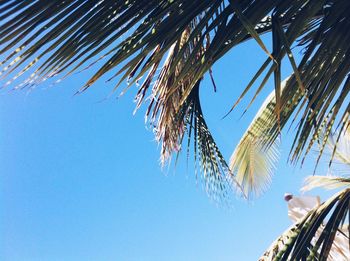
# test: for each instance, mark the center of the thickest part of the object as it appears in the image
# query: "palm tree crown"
(47, 39)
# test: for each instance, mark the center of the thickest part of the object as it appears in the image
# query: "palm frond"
(326, 182)
(173, 118)
(217, 177)
(254, 158)
(251, 162)
(339, 145)
(322, 75)
(320, 235)
(325, 78)
(218, 181)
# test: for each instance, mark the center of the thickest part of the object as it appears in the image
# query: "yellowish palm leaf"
(253, 160)
(326, 182)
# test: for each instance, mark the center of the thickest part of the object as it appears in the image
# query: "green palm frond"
(218, 181)
(253, 166)
(216, 175)
(313, 237)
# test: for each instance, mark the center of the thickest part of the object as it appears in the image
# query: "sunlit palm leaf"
(254, 158)
(251, 162)
(327, 182)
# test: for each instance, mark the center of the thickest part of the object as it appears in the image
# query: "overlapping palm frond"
(45, 39)
(278, 108)
(321, 76)
(313, 237)
(325, 78)
(324, 232)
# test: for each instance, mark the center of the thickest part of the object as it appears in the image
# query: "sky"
(80, 177)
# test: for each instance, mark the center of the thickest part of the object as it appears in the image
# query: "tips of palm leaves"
(327, 182)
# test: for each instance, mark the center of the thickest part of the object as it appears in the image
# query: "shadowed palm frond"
(216, 175)
(172, 118)
(323, 229)
(132, 39)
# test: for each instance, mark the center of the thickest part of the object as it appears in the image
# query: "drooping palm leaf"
(173, 119)
(218, 179)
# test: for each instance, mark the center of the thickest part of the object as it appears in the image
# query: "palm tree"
(182, 40)
(46, 39)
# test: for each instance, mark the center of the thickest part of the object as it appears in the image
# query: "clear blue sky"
(80, 179)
